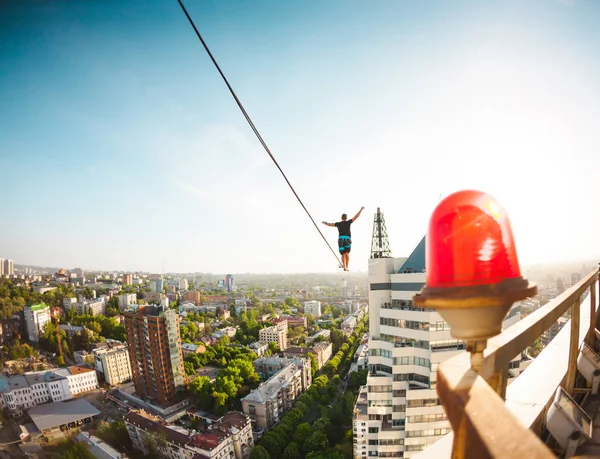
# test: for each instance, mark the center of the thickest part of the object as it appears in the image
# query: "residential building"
(126, 300)
(183, 284)
(297, 321)
(321, 351)
(36, 317)
(189, 348)
(194, 297)
(281, 323)
(93, 306)
(348, 324)
(259, 348)
(1, 267)
(83, 357)
(398, 413)
(549, 334)
(273, 335)
(267, 367)
(320, 334)
(224, 314)
(313, 308)
(69, 303)
(160, 285)
(113, 362)
(228, 437)
(154, 345)
(267, 404)
(127, 279)
(229, 285)
(225, 331)
(9, 268)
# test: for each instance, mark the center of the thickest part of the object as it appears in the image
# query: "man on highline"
(344, 240)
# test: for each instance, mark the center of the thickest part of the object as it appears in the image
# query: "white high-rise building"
(183, 284)
(398, 412)
(313, 308)
(1, 267)
(36, 317)
(9, 269)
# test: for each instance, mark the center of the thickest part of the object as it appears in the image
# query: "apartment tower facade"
(154, 345)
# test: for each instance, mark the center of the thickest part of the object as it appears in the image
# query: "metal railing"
(489, 423)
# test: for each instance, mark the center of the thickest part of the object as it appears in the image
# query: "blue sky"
(120, 146)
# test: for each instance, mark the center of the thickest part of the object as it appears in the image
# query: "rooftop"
(56, 414)
(271, 387)
(37, 307)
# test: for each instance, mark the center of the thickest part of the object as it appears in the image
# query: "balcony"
(496, 421)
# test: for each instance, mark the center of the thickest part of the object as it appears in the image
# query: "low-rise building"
(259, 348)
(82, 357)
(273, 335)
(225, 331)
(313, 308)
(321, 352)
(228, 437)
(189, 348)
(348, 324)
(297, 321)
(320, 334)
(34, 388)
(81, 378)
(267, 404)
(92, 307)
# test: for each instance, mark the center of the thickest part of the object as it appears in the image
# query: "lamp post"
(473, 274)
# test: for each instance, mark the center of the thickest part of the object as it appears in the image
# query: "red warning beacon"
(473, 275)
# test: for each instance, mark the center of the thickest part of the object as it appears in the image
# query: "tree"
(202, 389)
(189, 368)
(115, 434)
(71, 450)
(274, 348)
(303, 431)
(316, 442)
(292, 451)
(258, 452)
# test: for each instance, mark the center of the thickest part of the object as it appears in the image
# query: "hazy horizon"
(120, 147)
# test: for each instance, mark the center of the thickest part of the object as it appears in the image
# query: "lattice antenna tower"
(380, 245)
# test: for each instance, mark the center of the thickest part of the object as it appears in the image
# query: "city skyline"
(121, 147)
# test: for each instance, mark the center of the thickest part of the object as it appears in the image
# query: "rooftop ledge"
(533, 391)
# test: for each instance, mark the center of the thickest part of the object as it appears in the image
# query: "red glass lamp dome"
(473, 275)
(470, 242)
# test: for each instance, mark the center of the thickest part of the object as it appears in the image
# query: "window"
(399, 393)
(374, 430)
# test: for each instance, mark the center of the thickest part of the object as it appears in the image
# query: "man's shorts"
(344, 244)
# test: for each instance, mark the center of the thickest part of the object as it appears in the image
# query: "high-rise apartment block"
(273, 335)
(8, 266)
(183, 284)
(36, 317)
(154, 345)
(313, 308)
(229, 285)
(398, 412)
(113, 362)
(127, 279)
(1, 267)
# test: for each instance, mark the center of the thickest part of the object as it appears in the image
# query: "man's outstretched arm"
(328, 224)
(358, 214)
